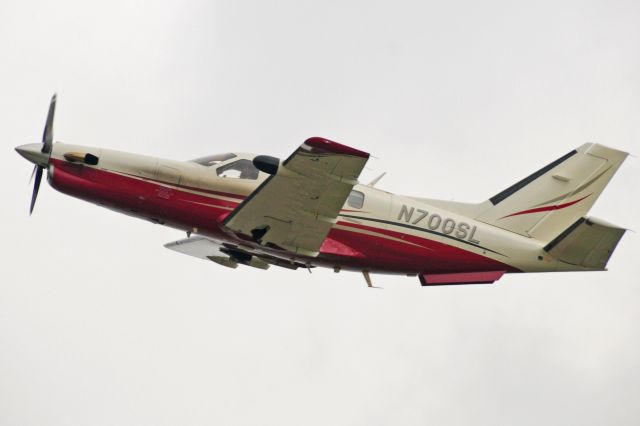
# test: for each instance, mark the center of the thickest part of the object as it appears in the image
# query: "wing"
(222, 254)
(204, 248)
(296, 206)
(228, 255)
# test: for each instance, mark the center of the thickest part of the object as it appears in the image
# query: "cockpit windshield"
(239, 169)
(211, 160)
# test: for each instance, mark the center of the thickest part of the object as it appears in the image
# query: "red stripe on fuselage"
(140, 197)
(193, 188)
(423, 254)
(185, 210)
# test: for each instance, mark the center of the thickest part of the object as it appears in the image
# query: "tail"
(546, 203)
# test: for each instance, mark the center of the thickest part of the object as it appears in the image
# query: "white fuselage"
(387, 233)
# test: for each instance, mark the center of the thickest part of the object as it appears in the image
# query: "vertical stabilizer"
(548, 201)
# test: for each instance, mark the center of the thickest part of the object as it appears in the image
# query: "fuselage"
(376, 231)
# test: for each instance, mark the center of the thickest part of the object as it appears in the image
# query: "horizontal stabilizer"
(588, 243)
(487, 277)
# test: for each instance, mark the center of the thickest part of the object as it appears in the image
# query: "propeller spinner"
(39, 154)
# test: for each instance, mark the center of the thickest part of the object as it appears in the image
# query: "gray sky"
(100, 325)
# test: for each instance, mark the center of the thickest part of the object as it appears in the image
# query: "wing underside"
(228, 255)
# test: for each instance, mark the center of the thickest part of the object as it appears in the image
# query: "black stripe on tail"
(526, 181)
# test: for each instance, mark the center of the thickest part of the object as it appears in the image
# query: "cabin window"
(240, 169)
(214, 159)
(356, 199)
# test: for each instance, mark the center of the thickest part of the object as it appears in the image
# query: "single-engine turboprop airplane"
(310, 211)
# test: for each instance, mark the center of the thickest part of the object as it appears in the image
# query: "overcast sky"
(101, 325)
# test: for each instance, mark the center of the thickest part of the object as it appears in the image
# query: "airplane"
(309, 210)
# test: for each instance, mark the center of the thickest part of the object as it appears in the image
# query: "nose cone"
(33, 152)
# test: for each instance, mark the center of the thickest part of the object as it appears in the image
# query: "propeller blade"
(47, 136)
(33, 173)
(36, 187)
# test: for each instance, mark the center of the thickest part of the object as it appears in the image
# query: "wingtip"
(322, 145)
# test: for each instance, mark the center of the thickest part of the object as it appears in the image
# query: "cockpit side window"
(240, 169)
(210, 160)
(356, 199)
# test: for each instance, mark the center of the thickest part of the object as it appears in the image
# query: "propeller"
(47, 142)
(47, 135)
